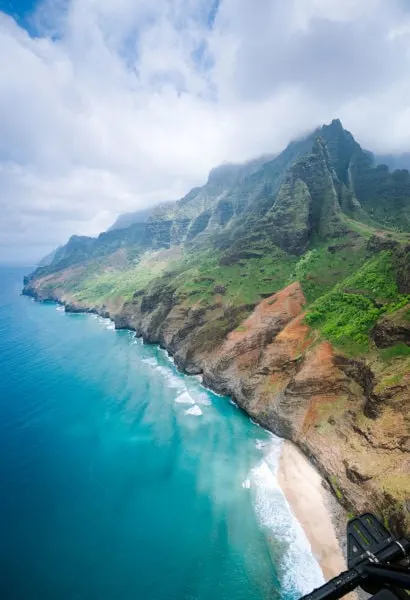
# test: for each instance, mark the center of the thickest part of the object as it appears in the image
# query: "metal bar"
(387, 575)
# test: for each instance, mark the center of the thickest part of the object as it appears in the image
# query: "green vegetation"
(105, 286)
(390, 381)
(96, 283)
(376, 279)
(346, 315)
(384, 195)
(344, 319)
(364, 229)
(396, 351)
(321, 268)
(336, 489)
(245, 281)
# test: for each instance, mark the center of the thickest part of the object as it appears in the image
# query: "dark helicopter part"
(374, 558)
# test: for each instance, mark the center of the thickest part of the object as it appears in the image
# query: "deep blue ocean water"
(122, 479)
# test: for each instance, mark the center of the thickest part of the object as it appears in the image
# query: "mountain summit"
(308, 188)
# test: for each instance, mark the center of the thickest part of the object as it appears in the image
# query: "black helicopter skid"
(377, 562)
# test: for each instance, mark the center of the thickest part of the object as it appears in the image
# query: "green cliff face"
(319, 216)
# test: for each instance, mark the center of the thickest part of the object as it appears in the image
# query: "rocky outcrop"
(316, 170)
(393, 329)
(289, 219)
(403, 269)
(189, 332)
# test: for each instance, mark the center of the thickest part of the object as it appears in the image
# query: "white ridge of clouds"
(118, 104)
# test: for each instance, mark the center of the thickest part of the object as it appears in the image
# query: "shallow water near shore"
(123, 478)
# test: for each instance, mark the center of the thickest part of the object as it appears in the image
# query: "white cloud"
(118, 104)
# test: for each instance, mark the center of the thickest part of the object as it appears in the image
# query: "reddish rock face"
(297, 386)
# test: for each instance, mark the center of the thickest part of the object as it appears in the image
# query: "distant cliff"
(127, 219)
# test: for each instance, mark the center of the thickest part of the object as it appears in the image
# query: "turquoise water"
(124, 479)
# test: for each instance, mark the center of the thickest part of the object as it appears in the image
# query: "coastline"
(301, 483)
(319, 514)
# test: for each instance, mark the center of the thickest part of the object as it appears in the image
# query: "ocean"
(123, 479)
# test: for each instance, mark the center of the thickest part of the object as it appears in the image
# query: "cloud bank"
(111, 105)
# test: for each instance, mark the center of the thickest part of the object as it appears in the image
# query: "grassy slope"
(97, 283)
(346, 314)
(107, 285)
(243, 282)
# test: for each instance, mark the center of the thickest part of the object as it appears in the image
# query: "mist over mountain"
(127, 219)
(133, 103)
(394, 161)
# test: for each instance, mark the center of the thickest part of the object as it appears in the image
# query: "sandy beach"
(310, 503)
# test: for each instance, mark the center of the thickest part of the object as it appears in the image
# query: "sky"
(107, 106)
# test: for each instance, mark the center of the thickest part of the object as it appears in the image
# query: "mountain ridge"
(234, 190)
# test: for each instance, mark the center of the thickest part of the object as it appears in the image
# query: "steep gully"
(288, 380)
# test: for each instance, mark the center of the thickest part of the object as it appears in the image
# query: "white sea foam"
(210, 390)
(261, 444)
(173, 381)
(150, 361)
(195, 411)
(107, 322)
(246, 484)
(167, 356)
(299, 569)
(184, 398)
(203, 399)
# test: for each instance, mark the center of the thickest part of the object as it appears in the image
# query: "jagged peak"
(74, 239)
(336, 124)
(335, 128)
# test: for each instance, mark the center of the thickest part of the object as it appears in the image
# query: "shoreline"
(299, 480)
(314, 507)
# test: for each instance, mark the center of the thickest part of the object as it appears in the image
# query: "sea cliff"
(349, 423)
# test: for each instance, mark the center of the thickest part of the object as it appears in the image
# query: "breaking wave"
(298, 567)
